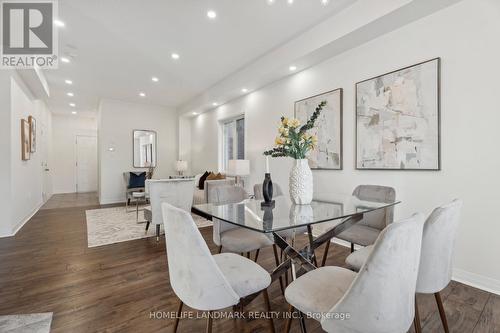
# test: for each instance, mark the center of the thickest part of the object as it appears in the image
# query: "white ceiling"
(116, 46)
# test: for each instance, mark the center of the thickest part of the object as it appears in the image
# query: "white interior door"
(86, 163)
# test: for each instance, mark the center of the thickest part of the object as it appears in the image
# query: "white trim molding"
(477, 281)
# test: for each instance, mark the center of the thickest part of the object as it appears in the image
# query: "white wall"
(65, 128)
(26, 177)
(465, 36)
(5, 149)
(116, 122)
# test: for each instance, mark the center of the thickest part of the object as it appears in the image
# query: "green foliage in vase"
(293, 139)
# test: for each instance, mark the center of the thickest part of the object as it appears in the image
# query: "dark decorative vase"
(267, 191)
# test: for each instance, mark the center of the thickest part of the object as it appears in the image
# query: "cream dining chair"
(204, 281)
(379, 299)
(436, 260)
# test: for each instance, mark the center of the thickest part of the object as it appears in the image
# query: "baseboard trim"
(477, 281)
(22, 223)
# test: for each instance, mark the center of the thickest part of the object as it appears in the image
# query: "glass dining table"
(329, 214)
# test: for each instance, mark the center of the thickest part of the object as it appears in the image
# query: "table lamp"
(181, 167)
(238, 168)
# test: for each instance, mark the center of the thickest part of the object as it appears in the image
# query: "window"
(233, 140)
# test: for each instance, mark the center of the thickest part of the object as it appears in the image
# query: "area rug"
(114, 225)
(26, 323)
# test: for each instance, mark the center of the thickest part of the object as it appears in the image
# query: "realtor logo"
(28, 34)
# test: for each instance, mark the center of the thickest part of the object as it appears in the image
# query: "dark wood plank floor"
(47, 267)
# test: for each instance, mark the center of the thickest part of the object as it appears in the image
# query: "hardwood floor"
(47, 267)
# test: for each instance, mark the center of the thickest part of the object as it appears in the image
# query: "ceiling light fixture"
(290, 2)
(64, 59)
(142, 94)
(72, 105)
(68, 81)
(59, 23)
(194, 113)
(325, 2)
(73, 112)
(292, 68)
(215, 104)
(70, 94)
(244, 90)
(270, 2)
(211, 14)
(155, 79)
(175, 56)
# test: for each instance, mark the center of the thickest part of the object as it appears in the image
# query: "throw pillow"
(212, 176)
(137, 180)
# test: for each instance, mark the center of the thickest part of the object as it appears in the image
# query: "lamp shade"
(181, 166)
(238, 168)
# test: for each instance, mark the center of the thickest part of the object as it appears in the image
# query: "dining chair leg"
(302, 323)
(277, 261)
(248, 255)
(327, 248)
(238, 319)
(209, 322)
(416, 319)
(147, 225)
(157, 232)
(288, 322)
(256, 254)
(268, 309)
(442, 314)
(352, 247)
(219, 250)
(179, 309)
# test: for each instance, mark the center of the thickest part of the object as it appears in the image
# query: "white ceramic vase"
(301, 183)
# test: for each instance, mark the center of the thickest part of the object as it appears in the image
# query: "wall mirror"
(144, 148)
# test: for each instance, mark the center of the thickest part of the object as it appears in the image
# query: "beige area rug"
(114, 225)
(26, 323)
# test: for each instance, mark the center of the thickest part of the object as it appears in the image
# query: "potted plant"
(294, 141)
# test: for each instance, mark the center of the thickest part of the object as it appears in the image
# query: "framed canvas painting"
(398, 119)
(25, 140)
(32, 123)
(328, 153)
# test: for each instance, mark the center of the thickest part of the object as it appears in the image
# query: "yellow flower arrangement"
(293, 139)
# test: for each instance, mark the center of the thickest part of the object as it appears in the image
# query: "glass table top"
(285, 215)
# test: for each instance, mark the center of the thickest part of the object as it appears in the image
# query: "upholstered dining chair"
(203, 281)
(257, 191)
(366, 231)
(379, 299)
(435, 268)
(177, 192)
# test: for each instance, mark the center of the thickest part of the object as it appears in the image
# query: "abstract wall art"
(32, 122)
(398, 119)
(328, 152)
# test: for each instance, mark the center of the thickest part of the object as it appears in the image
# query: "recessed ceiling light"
(68, 81)
(64, 59)
(73, 112)
(292, 68)
(72, 105)
(155, 79)
(271, 2)
(59, 23)
(211, 14)
(142, 94)
(290, 2)
(70, 94)
(325, 2)
(215, 104)
(175, 56)
(244, 90)
(194, 113)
